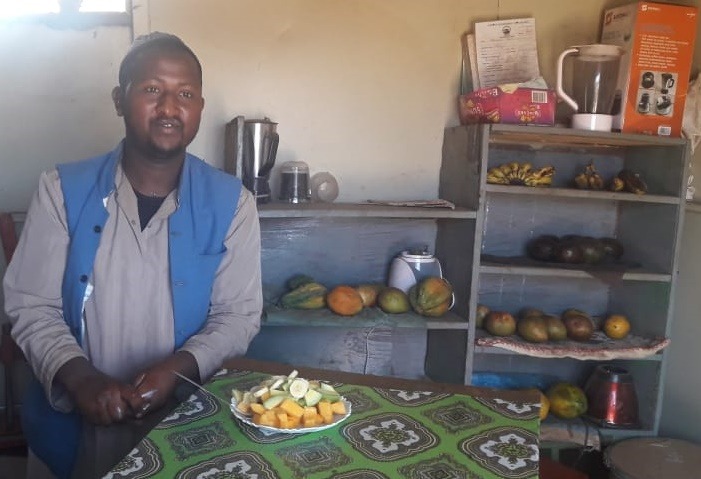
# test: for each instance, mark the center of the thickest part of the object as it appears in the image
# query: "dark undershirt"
(148, 205)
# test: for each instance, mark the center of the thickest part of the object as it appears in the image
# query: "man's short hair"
(151, 41)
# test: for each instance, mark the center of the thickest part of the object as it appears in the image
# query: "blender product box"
(508, 104)
(658, 43)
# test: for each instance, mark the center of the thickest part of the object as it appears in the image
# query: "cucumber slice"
(298, 388)
(327, 388)
(273, 401)
(312, 397)
(331, 397)
(276, 384)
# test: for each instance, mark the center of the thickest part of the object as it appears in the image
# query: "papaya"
(567, 401)
(413, 295)
(299, 280)
(344, 300)
(432, 291)
(308, 296)
(439, 310)
(435, 312)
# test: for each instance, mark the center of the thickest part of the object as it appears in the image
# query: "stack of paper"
(498, 52)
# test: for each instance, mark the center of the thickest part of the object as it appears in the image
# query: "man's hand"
(100, 398)
(156, 384)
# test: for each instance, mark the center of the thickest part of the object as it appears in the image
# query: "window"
(67, 13)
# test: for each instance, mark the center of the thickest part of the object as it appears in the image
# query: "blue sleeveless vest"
(207, 200)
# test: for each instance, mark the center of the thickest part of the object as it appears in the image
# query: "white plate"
(301, 430)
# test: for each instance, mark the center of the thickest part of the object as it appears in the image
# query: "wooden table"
(398, 428)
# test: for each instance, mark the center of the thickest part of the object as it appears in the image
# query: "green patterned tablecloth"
(390, 434)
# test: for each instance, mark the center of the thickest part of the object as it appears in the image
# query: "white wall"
(361, 88)
(56, 103)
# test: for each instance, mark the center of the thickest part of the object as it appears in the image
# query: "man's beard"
(163, 155)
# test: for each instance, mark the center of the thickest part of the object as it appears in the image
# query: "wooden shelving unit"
(480, 244)
(640, 286)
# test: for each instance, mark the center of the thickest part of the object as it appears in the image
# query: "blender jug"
(594, 80)
(251, 148)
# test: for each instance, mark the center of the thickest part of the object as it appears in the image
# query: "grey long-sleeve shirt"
(128, 316)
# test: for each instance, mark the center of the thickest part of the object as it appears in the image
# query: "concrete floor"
(13, 467)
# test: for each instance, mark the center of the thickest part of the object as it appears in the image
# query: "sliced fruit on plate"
(287, 402)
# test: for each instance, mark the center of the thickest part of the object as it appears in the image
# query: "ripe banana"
(497, 177)
(520, 174)
(523, 171)
(590, 179)
(581, 181)
(541, 177)
(617, 184)
(506, 169)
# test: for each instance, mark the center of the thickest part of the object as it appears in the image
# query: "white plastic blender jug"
(594, 79)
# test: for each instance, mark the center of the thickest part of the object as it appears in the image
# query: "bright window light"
(17, 8)
(103, 6)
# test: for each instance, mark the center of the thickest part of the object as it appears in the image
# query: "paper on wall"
(506, 51)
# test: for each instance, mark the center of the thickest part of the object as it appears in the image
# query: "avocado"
(592, 250)
(555, 327)
(532, 329)
(613, 249)
(569, 252)
(542, 248)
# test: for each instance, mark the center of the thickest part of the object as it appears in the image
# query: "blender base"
(592, 121)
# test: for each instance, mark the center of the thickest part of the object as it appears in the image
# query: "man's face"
(162, 105)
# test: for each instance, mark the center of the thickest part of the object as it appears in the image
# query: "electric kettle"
(410, 266)
(611, 396)
(250, 151)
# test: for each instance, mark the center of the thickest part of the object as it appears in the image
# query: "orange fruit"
(567, 401)
(616, 326)
(344, 300)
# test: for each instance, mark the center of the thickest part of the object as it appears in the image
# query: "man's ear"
(117, 100)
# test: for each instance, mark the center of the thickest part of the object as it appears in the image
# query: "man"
(131, 266)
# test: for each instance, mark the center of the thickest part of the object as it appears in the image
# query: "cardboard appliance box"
(658, 40)
(508, 104)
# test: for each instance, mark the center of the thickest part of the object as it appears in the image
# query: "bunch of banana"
(589, 179)
(515, 173)
(541, 177)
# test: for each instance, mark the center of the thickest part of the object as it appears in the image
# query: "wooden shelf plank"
(359, 210)
(524, 266)
(560, 433)
(514, 270)
(538, 137)
(584, 194)
(368, 318)
(625, 348)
